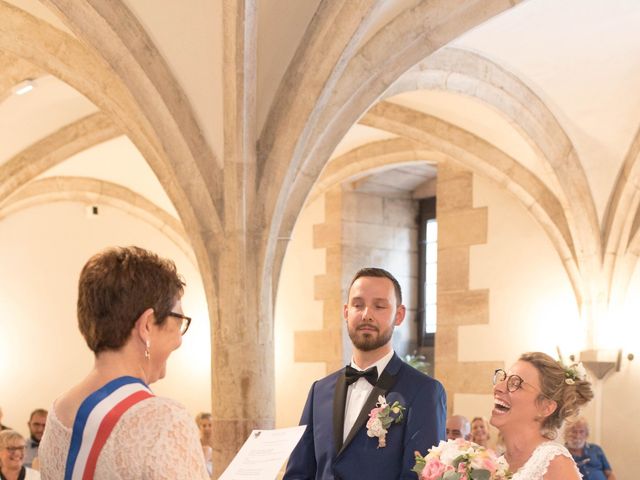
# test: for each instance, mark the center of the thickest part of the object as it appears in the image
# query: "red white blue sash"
(97, 416)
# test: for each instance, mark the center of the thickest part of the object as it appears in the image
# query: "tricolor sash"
(97, 416)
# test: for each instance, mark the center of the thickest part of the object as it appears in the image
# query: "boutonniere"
(381, 417)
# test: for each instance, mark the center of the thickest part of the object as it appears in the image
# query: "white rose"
(375, 429)
(450, 452)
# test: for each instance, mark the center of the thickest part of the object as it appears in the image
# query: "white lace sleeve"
(537, 465)
(161, 442)
(177, 453)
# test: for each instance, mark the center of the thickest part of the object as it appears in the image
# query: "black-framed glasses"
(514, 382)
(184, 324)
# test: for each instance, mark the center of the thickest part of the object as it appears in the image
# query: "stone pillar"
(243, 396)
(460, 226)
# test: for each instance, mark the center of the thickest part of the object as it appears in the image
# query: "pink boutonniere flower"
(381, 417)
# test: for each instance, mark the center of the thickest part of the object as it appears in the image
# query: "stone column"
(242, 370)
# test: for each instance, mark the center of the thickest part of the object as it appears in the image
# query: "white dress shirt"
(358, 392)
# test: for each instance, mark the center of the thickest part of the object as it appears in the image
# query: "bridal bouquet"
(461, 460)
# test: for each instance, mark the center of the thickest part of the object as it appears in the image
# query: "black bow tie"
(352, 375)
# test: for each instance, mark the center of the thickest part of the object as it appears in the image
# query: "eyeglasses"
(186, 321)
(15, 449)
(514, 382)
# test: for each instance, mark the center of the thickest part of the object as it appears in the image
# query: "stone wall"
(360, 229)
(460, 226)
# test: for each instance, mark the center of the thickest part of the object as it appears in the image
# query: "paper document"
(263, 454)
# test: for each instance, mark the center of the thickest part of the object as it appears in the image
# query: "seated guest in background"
(3, 427)
(110, 425)
(12, 446)
(36, 424)
(458, 427)
(204, 420)
(531, 400)
(590, 458)
(480, 431)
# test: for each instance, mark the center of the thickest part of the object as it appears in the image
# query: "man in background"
(37, 422)
(589, 457)
(3, 427)
(458, 426)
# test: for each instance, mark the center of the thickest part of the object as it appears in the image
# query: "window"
(427, 273)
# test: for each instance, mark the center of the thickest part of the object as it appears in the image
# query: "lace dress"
(155, 439)
(536, 466)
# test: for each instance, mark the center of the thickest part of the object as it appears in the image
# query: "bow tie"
(352, 375)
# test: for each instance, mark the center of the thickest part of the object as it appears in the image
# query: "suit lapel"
(339, 399)
(384, 384)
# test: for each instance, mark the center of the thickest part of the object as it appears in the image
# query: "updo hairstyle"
(569, 396)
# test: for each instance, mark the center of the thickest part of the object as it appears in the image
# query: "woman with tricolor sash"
(111, 425)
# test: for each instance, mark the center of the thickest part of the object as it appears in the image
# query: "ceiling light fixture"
(24, 87)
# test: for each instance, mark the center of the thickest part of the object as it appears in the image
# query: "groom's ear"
(401, 311)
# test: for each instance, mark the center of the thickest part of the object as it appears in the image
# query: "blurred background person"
(458, 426)
(36, 424)
(204, 420)
(110, 425)
(12, 447)
(480, 431)
(3, 427)
(589, 457)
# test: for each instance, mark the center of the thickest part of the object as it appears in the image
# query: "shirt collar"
(380, 364)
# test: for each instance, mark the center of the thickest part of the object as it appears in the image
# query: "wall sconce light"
(601, 362)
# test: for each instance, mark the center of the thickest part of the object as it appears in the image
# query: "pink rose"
(434, 470)
(375, 411)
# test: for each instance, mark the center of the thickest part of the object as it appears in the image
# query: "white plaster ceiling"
(25, 119)
(359, 135)
(116, 161)
(579, 56)
(399, 182)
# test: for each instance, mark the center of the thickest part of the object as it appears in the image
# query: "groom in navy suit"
(337, 445)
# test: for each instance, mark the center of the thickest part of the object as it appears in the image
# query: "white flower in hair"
(581, 372)
(574, 372)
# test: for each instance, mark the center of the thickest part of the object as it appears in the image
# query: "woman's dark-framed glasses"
(514, 382)
(186, 321)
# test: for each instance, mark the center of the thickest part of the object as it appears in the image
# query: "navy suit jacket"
(321, 453)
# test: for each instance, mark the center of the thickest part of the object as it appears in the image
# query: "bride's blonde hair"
(569, 396)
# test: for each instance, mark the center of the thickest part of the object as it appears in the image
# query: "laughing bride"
(532, 400)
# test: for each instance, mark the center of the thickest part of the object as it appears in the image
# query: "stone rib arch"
(54, 149)
(349, 91)
(370, 158)
(154, 132)
(430, 134)
(90, 190)
(467, 73)
(621, 225)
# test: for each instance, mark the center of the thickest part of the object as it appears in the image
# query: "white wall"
(42, 250)
(531, 303)
(620, 406)
(296, 309)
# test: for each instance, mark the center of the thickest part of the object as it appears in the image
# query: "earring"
(147, 354)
